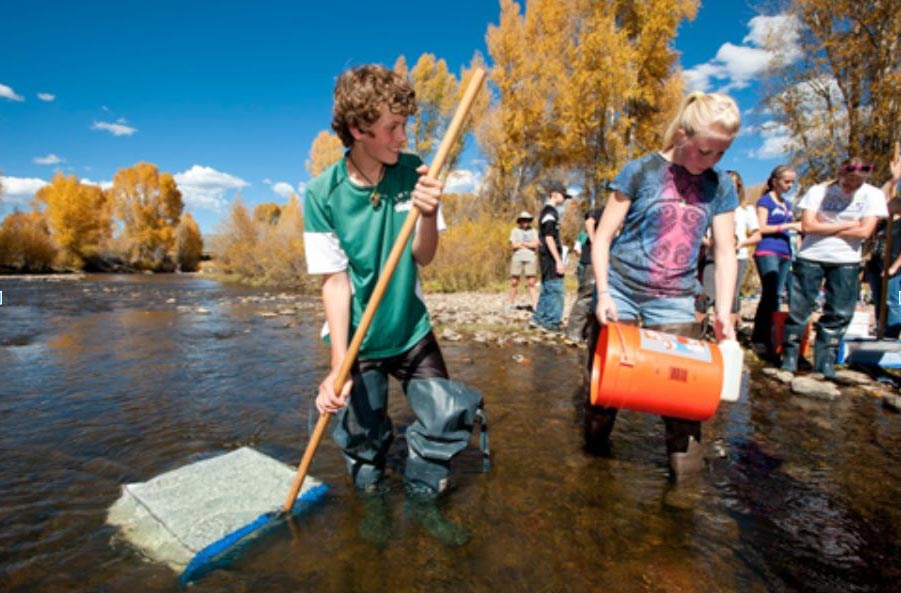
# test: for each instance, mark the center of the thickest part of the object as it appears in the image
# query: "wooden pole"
(400, 244)
(882, 305)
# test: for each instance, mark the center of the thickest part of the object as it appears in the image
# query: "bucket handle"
(625, 359)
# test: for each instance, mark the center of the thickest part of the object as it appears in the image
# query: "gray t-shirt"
(519, 235)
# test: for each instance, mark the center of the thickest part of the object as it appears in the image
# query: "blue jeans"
(842, 286)
(893, 314)
(652, 310)
(773, 272)
(549, 311)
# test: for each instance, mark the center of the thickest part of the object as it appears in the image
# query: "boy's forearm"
(336, 295)
(425, 241)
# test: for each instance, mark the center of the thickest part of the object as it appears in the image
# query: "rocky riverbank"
(485, 318)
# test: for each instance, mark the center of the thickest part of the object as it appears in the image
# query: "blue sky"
(228, 95)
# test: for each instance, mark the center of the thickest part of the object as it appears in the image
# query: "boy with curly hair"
(353, 212)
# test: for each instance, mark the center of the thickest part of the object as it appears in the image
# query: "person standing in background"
(524, 262)
(837, 217)
(774, 253)
(577, 325)
(747, 234)
(549, 311)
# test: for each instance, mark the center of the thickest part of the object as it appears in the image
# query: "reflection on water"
(108, 380)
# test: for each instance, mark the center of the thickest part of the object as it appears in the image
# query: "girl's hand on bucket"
(606, 311)
(327, 401)
(723, 328)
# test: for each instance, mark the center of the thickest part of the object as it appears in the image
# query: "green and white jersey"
(344, 231)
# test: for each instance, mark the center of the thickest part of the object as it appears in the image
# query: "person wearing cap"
(549, 311)
(523, 242)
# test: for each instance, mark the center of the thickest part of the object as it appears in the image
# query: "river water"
(106, 380)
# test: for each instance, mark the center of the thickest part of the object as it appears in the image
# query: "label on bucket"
(689, 348)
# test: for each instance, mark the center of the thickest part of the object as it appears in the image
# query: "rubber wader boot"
(425, 511)
(686, 458)
(599, 420)
(790, 358)
(375, 526)
(689, 463)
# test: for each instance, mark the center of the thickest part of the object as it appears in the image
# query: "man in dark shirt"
(549, 311)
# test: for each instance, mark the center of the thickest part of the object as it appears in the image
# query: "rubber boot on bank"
(824, 359)
(790, 358)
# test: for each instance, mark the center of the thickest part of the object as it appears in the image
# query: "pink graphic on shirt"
(676, 224)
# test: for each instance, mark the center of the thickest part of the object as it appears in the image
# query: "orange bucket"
(778, 332)
(650, 371)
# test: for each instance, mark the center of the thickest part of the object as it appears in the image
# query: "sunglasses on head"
(867, 168)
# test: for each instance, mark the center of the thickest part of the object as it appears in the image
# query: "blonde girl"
(661, 205)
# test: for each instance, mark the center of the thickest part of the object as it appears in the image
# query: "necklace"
(374, 197)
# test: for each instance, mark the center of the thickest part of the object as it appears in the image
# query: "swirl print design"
(676, 221)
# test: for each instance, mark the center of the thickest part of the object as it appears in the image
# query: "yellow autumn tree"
(80, 218)
(839, 92)
(25, 243)
(188, 244)
(283, 257)
(592, 112)
(505, 133)
(324, 152)
(267, 212)
(650, 26)
(400, 66)
(436, 91)
(149, 205)
(477, 113)
(238, 241)
(580, 86)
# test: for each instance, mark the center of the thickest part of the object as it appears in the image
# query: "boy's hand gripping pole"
(478, 76)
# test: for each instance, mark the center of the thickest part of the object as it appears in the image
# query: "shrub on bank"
(265, 251)
(26, 244)
(472, 255)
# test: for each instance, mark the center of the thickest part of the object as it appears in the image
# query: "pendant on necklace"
(374, 199)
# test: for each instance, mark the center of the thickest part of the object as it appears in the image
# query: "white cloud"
(102, 184)
(741, 63)
(781, 30)
(777, 142)
(7, 93)
(116, 129)
(50, 159)
(771, 39)
(283, 189)
(18, 191)
(205, 187)
(463, 181)
(48, 97)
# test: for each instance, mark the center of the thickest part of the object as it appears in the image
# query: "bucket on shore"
(650, 371)
(778, 333)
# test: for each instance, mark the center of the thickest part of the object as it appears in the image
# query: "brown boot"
(689, 463)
